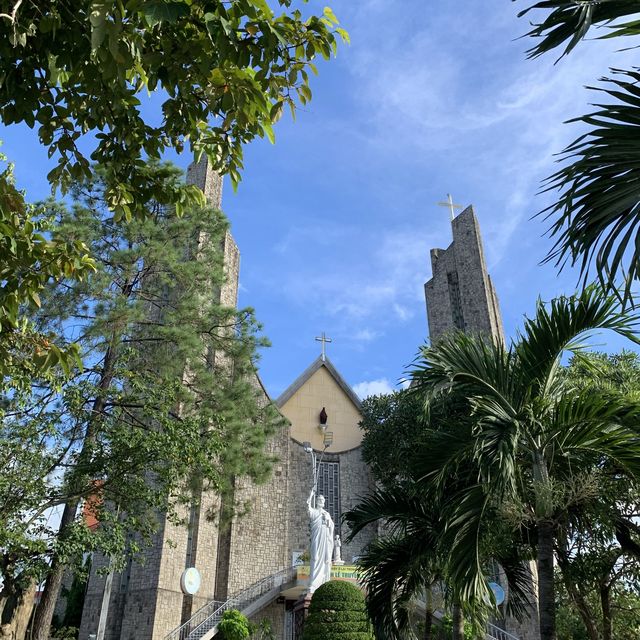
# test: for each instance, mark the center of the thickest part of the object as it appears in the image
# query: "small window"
(455, 300)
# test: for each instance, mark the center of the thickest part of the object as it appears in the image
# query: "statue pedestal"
(300, 613)
(337, 563)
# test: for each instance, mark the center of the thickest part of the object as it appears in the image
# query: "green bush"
(337, 612)
(444, 631)
(234, 625)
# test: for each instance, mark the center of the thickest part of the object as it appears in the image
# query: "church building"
(247, 564)
(257, 562)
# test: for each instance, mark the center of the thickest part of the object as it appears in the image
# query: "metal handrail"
(213, 610)
(493, 632)
(497, 633)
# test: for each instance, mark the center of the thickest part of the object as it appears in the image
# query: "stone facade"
(210, 183)
(276, 614)
(460, 294)
(321, 386)
(257, 540)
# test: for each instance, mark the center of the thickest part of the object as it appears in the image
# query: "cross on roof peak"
(323, 338)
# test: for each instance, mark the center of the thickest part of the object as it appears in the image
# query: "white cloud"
(373, 388)
(372, 274)
(365, 335)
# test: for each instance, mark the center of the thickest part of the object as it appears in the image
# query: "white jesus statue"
(321, 542)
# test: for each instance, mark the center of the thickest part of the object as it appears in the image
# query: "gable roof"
(308, 372)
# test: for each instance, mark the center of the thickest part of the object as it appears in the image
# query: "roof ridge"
(308, 372)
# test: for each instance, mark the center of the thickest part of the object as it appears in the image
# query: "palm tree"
(530, 432)
(412, 555)
(597, 215)
(398, 565)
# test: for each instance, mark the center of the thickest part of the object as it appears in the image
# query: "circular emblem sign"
(190, 581)
(498, 592)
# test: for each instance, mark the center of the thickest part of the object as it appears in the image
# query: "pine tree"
(165, 397)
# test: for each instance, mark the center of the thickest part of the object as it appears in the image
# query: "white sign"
(190, 581)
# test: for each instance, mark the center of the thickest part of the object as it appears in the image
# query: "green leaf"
(276, 111)
(263, 6)
(328, 13)
(158, 11)
(344, 35)
(98, 19)
(268, 129)
(127, 48)
(216, 78)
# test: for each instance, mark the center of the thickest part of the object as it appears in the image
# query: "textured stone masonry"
(460, 294)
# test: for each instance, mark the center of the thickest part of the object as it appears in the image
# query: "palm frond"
(393, 570)
(465, 518)
(596, 220)
(569, 21)
(597, 427)
(563, 325)
(519, 582)
(496, 448)
(467, 366)
(397, 508)
(447, 454)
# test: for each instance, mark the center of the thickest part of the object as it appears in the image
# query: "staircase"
(496, 633)
(203, 624)
(492, 632)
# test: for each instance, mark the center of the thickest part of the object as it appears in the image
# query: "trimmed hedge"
(337, 612)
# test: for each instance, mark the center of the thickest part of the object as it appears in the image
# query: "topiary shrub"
(337, 612)
(234, 625)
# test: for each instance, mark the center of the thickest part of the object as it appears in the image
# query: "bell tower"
(460, 294)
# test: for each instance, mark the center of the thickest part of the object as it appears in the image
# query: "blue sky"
(335, 222)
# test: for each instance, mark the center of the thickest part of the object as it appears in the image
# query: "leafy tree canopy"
(31, 259)
(225, 70)
(392, 424)
(165, 392)
(598, 549)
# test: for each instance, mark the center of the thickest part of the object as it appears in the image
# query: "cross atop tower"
(323, 338)
(452, 207)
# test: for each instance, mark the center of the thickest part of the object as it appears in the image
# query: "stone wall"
(356, 481)
(460, 271)
(275, 613)
(300, 481)
(258, 541)
(210, 183)
(132, 596)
